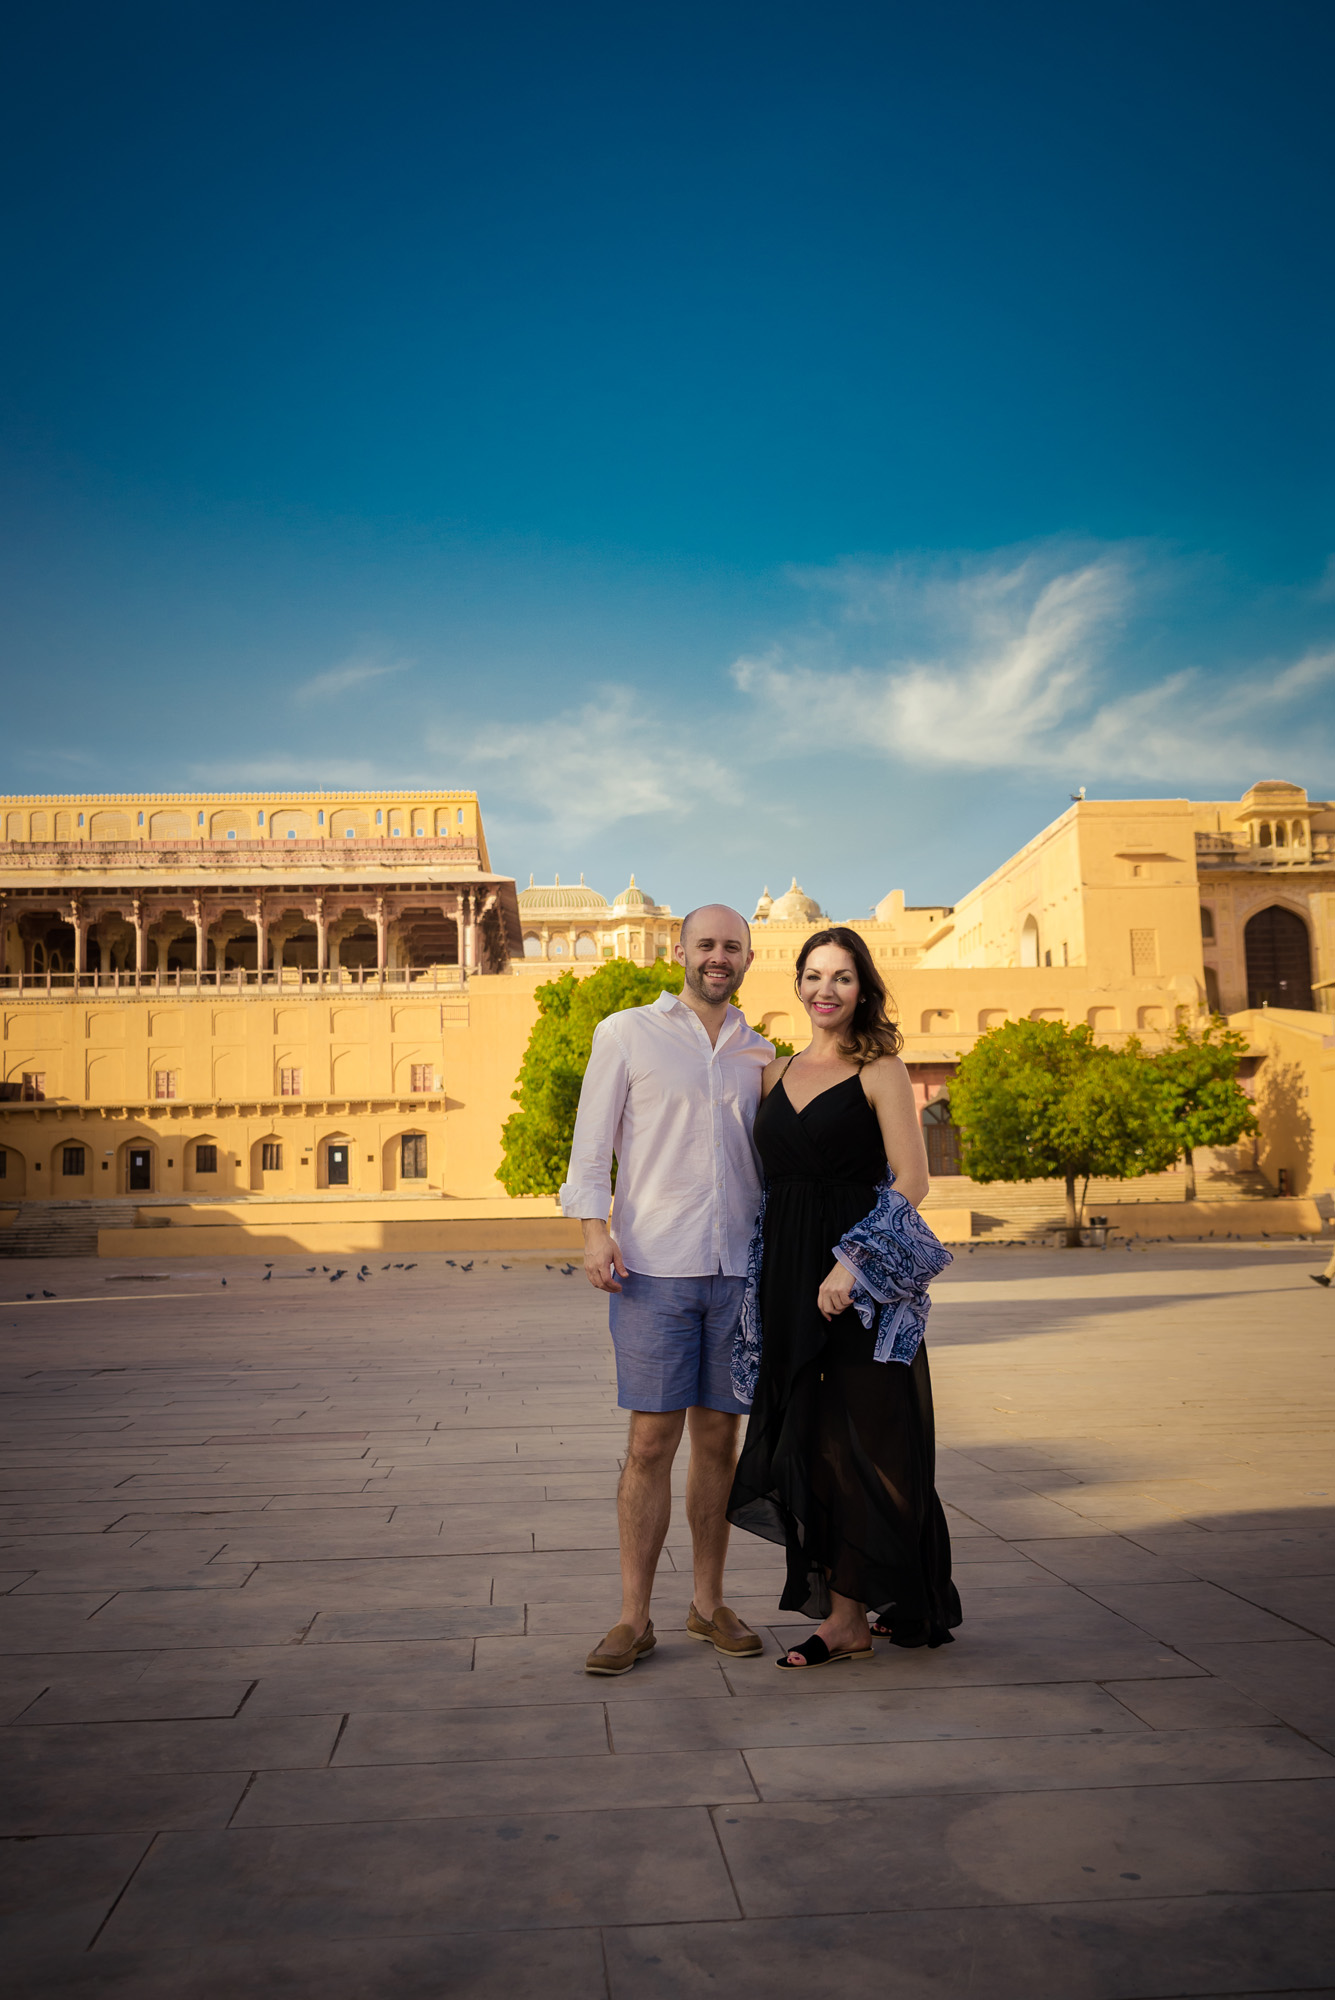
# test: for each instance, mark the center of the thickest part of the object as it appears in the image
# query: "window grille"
(34, 1086)
(413, 1163)
(422, 1078)
(1144, 951)
(206, 1159)
(164, 1083)
(289, 1083)
(271, 1156)
(71, 1160)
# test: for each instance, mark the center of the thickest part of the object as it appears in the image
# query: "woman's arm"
(890, 1094)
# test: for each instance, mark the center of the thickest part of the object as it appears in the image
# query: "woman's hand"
(836, 1294)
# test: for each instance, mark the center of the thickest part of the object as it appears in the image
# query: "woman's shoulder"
(771, 1073)
(884, 1075)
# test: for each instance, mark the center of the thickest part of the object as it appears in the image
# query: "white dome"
(795, 907)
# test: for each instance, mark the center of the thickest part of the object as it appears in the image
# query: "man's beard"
(695, 979)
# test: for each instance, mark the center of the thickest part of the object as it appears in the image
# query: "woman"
(839, 1458)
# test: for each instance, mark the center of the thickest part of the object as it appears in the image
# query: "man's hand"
(836, 1294)
(601, 1257)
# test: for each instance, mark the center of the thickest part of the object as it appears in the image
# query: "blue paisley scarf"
(893, 1256)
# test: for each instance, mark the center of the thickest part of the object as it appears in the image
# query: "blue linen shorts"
(673, 1342)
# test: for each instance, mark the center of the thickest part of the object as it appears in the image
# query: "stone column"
(261, 940)
(546, 941)
(137, 916)
(470, 950)
(80, 935)
(201, 939)
(319, 934)
(380, 929)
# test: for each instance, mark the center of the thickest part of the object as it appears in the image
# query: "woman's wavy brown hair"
(873, 1033)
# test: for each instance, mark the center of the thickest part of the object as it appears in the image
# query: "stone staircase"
(1037, 1208)
(63, 1228)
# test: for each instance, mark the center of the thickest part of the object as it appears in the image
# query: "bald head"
(716, 919)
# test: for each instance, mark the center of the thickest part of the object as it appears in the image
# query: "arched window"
(1279, 960)
(532, 945)
(1029, 942)
(1207, 925)
(1299, 834)
(585, 947)
(1281, 834)
(1264, 839)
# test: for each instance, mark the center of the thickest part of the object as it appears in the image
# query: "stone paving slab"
(296, 1585)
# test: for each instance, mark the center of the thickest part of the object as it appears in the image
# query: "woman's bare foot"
(841, 1632)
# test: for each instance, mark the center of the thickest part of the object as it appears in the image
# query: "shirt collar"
(672, 1003)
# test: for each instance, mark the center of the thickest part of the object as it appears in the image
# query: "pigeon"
(222, 1281)
(549, 1267)
(365, 1271)
(450, 1261)
(463, 1267)
(51, 1295)
(268, 1263)
(386, 1267)
(265, 1279)
(413, 1267)
(30, 1295)
(311, 1269)
(505, 1267)
(333, 1281)
(398, 1267)
(361, 1277)
(566, 1269)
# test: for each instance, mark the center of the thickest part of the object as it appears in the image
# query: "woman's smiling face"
(829, 990)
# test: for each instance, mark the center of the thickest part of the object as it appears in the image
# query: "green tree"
(1036, 1100)
(536, 1139)
(1200, 1098)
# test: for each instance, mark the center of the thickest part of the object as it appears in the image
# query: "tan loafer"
(725, 1632)
(618, 1652)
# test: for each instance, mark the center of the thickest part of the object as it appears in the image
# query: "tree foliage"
(1200, 1099)
(536, 1139)
(1036, 1100)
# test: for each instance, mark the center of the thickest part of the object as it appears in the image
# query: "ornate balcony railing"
(296, 981)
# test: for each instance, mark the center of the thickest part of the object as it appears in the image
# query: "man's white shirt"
(678, 1116)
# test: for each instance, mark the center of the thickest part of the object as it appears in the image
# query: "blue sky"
(740, 439)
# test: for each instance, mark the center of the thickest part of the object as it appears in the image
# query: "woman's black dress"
(840, 1452)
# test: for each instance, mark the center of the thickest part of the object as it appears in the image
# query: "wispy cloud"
(348, 674)
(613, 758)
(1016, 665)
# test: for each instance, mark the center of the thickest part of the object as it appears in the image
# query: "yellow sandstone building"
(324, 997)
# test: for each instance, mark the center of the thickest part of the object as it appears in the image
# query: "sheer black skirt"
(840, 1470)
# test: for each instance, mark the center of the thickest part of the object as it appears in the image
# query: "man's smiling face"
(715, 949)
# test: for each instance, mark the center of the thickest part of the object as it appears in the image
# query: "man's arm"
(587, 1192)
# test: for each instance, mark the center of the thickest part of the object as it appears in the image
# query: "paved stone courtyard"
(299, 1578)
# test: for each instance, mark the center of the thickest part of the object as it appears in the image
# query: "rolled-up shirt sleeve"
(587, 1192)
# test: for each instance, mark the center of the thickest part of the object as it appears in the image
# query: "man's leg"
(715, 1439)
(644, 1506)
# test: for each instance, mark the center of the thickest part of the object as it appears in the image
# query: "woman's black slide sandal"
(816, 1653)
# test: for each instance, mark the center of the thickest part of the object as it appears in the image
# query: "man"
(671, 1091)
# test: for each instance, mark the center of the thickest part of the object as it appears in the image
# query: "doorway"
(1279, 960)
(338, 1166)
(140, 1169)
(943, 1139)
